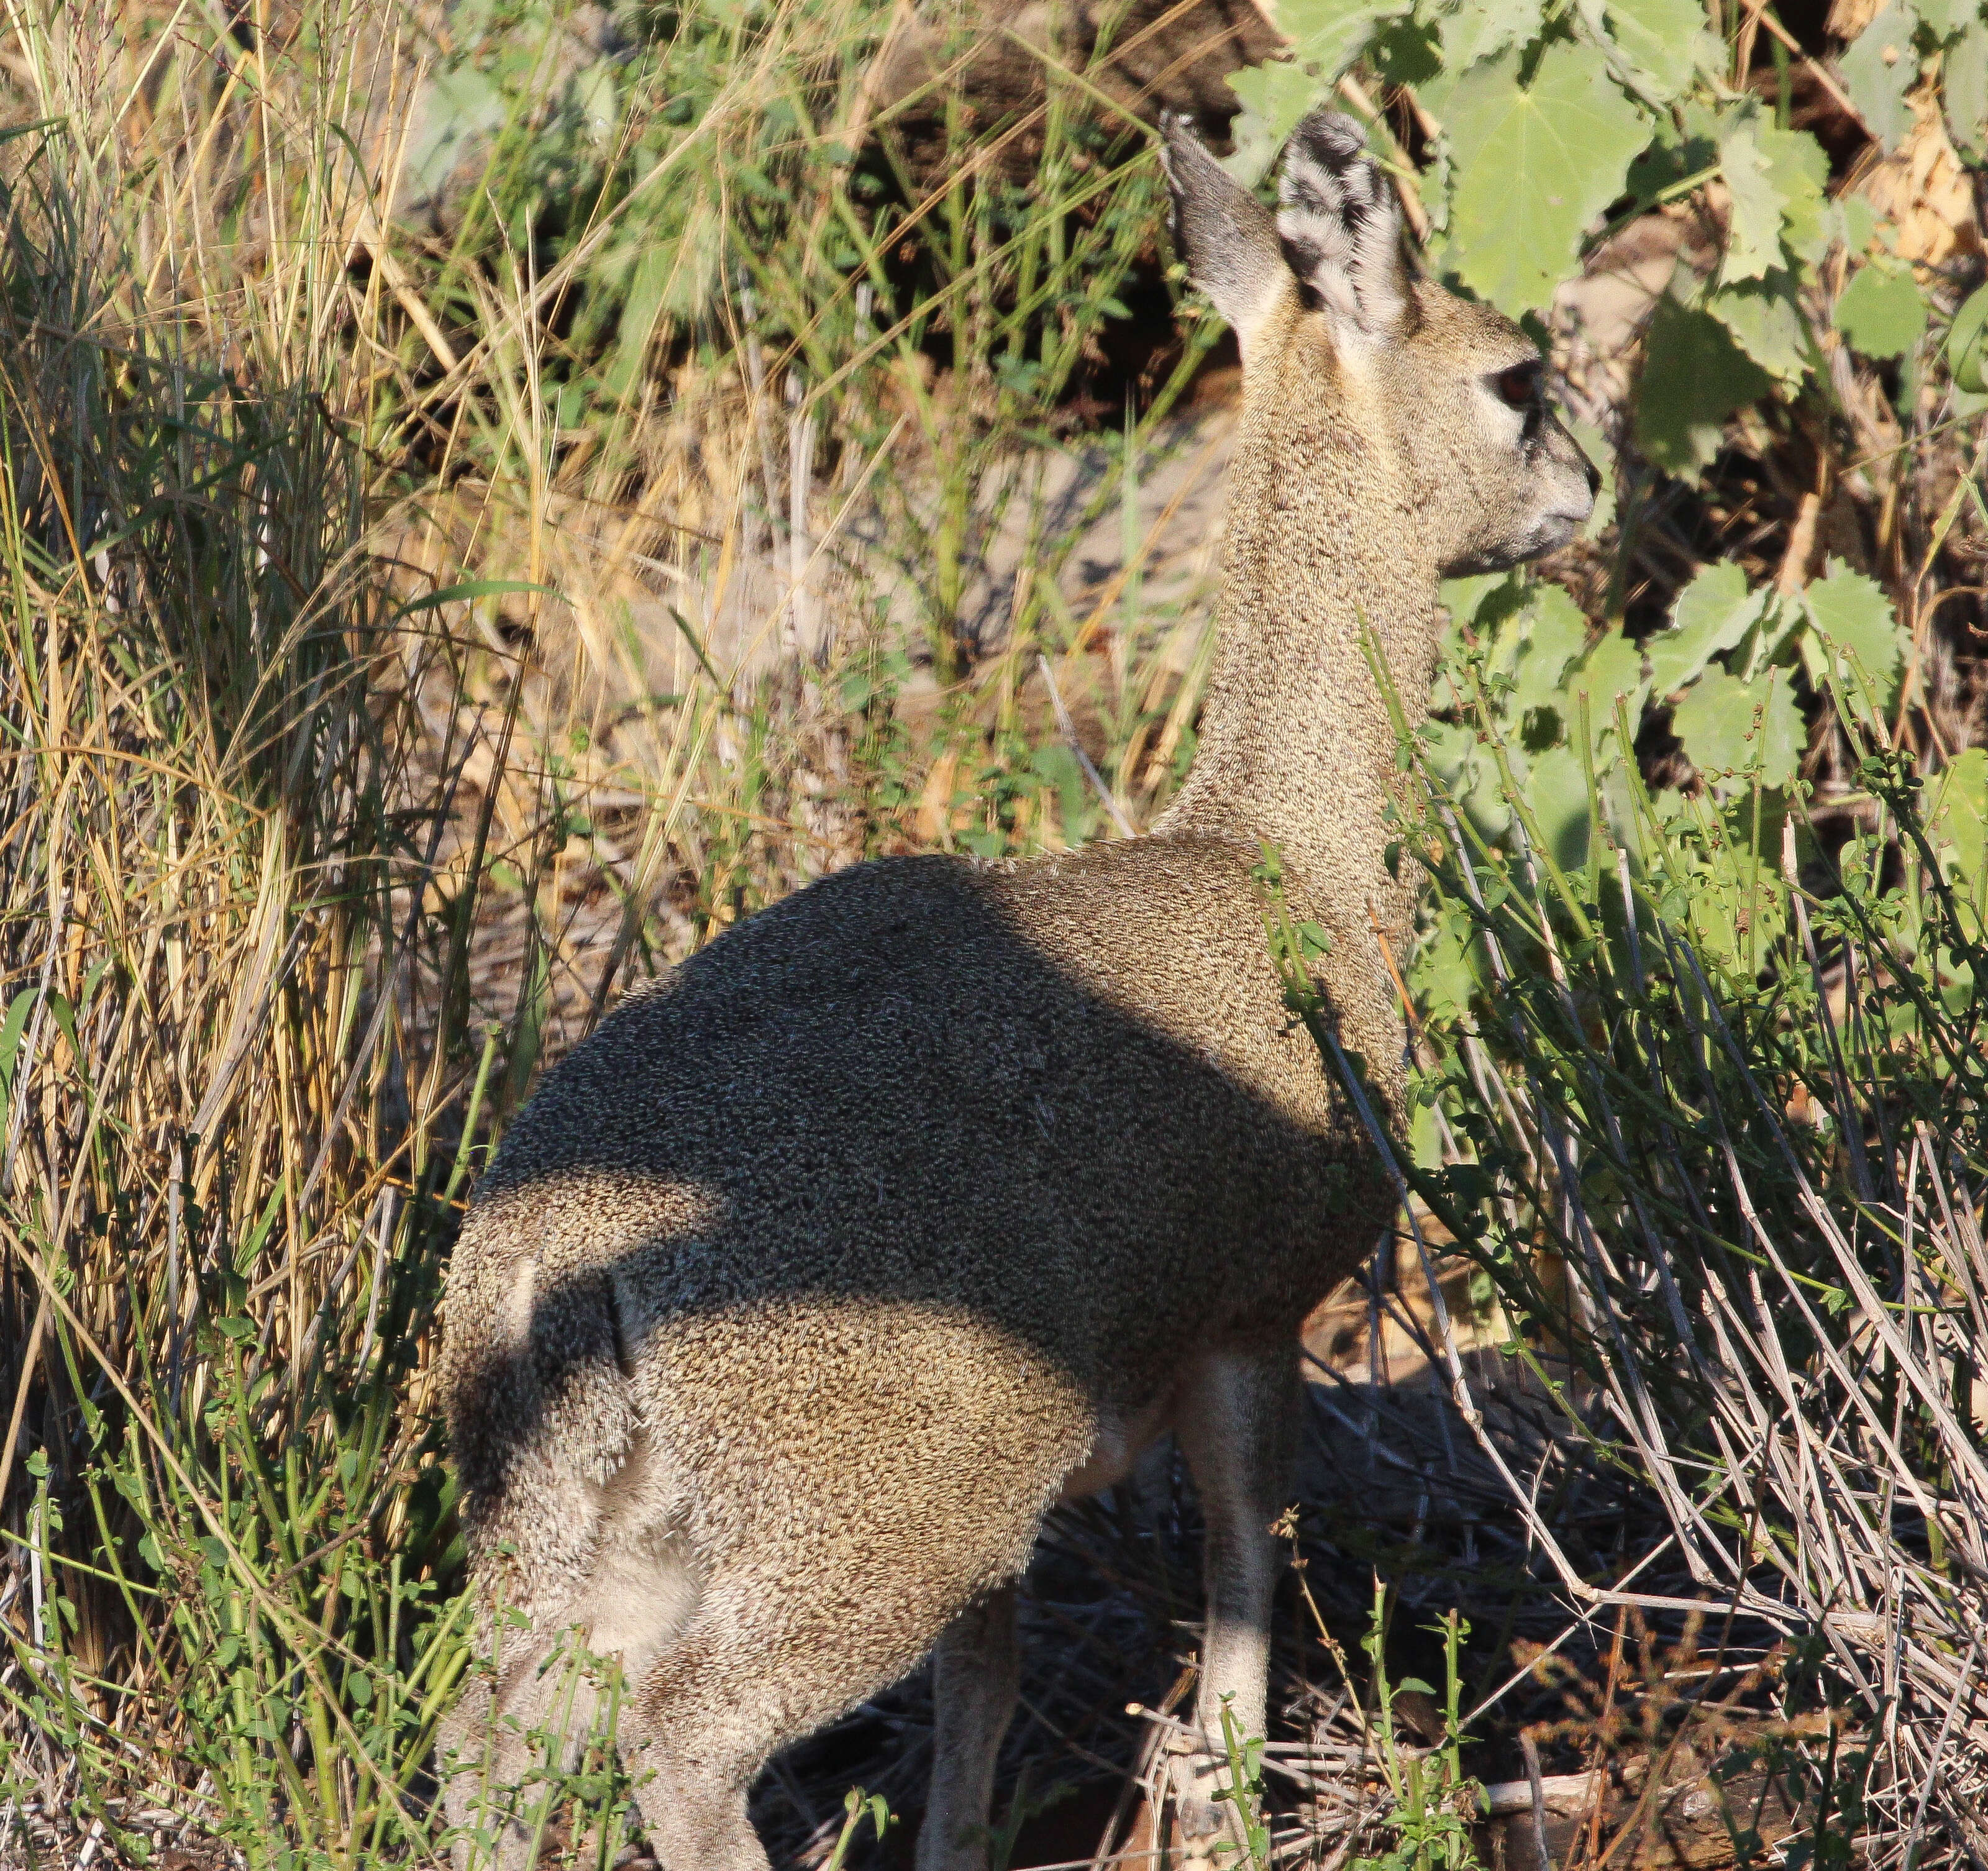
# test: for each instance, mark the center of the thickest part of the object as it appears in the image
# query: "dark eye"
(1519, 384)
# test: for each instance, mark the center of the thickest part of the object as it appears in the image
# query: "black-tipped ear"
(1227, 237)
(1341, 229)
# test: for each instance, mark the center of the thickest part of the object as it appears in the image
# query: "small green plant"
(1242, 1792)
(579, 1787)
(859, 1805)
(1433, 1799)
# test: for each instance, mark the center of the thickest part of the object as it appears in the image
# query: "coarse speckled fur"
(802, 1289)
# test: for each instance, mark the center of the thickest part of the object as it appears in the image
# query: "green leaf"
(1483, 599)
(1947, 19)
(1275, 97)
(1533, 168)
(1878, 70)
(472, 587)
(640, 312)
(1407, 51)
(454, 117)
(1963, 83)
(1713, 613)
(1800, 168)
(1753, 239)
(17, 1011)
(1553, 633)
(1854, 222)
(1613, 672)
(1967, 342)
(1329, 33)
(1661, 40)
(1694, 377)
(1854, 617)
(1445, 979)
(1880, 311)
(1730, 726)
(1474, 33)
(1764, 316)
(1597, 445)
(1557, 792)
(1958, 820)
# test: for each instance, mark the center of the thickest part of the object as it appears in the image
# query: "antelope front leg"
(1235, 1423)
(975, 1676)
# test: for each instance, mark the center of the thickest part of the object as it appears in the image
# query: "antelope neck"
(1297, 745)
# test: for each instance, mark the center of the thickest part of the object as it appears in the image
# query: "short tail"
(539, 1411)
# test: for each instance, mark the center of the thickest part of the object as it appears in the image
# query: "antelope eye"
(1519, 384)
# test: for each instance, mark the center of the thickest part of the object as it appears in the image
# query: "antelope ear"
(1227, 237)
(1341, 229)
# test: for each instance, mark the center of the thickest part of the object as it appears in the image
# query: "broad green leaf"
(1880, 311)
(644, 307)
(1661, 39)
(1853, 616)
(1763, 316)
(1477, 31)
(1963, 84)
(1800, 168)
(1558, 793)
(1763, 644)
(1457, 759)
(1967, 342)
(1553, 635)
(1448, 749)
(1727, 726)
(1676, 158)
(459, 109)
(1753, 241)
(1444, 977)
(1613, 672)
(1853, 220)
(1482, 598)
(1595, 444)
(1331, 33)
(1694, 377)
(1947, 19)
(1534, 168)
(1958, 820)
(1713, 613)
(1275, 96)
(1878, 70)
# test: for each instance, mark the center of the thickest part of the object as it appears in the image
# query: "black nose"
(1594, 477)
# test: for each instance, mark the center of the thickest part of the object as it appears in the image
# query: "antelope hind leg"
(492, 1744)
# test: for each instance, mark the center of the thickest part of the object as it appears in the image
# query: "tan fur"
(803, 1289)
